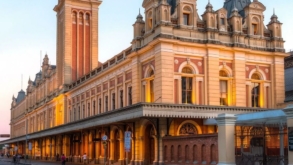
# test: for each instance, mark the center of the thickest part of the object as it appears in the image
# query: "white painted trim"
(260, 72)
(191, 64)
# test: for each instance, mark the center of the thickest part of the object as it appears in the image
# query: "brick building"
(180, 70)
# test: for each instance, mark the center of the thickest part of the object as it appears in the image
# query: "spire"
(139, 17)
(209, 7)
(274, 17)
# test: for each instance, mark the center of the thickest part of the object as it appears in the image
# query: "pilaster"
(226, 139)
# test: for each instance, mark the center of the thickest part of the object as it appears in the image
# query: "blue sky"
(28, 27)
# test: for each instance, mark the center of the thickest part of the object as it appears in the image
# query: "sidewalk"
(36, 162)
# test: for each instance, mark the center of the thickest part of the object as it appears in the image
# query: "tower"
(77, 39)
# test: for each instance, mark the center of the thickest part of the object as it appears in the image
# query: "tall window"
(222, 21)
(223, 88)
(254, 28)
(186, 19)
(106, 103)
(129, 95)
(79, 113)
(113, 101)
(89, 109)
(94, 107)
(121, 98)
(100, 105)
(152, 95)
(83, 111)
(186, 86)
(70, 116)
(255, 92)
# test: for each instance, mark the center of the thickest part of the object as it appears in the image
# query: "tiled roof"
(240, 5)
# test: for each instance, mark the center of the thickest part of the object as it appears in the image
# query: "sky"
(28, 32)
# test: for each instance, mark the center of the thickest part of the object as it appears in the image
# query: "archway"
(149, 145)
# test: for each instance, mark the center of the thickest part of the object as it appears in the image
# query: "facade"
(180, 71)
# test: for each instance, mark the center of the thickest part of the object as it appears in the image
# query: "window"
(150, 23)
(78, 112)
(186, 90)
(223, 92)
(113, 101)
(74, 114)
(83, 111)
(106, 103)
(70, 116)
(255, 95)
(223, 88)
(186, 86)
(121, 98)
(94, 107)
(255, 92)
(100, 105)
(89, 109)
(222, 21)
(152, 91)
(129, 95)
(186, 19)
(254, 28)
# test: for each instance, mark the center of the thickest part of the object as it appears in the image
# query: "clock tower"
(77, 39)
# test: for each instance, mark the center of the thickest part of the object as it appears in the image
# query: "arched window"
(188, 129)
(223, 88)
(255, 92)
(148, 85)
(187, 15)
(186, 86)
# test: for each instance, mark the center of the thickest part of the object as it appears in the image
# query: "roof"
(229, 5)
(172, 3)
(20, 96)
(257, 118)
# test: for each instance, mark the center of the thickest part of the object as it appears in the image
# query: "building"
(181, 70)
(289, 78)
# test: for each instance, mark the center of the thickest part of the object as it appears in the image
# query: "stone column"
(112, 148)
(162, 132)
(289, 113)
(226, 139)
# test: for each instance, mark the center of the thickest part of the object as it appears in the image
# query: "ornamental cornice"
(226, 119)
